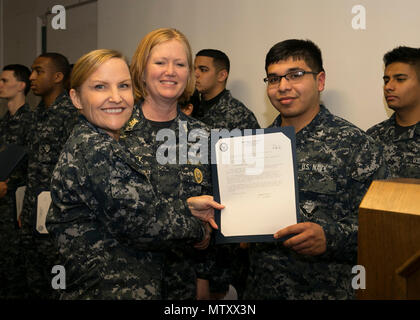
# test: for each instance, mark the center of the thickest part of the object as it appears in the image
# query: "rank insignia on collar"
(132, 123)
(198, 175)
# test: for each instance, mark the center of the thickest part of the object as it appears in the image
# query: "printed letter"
(359, 20)
(59, 281)
(59, 21)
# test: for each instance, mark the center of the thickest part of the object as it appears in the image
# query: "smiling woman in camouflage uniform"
(162, 71)
(111, 228)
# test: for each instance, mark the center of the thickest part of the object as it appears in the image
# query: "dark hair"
(406, 55)
(21, 73)
(298, 50)
(220, 59)
(61, 64)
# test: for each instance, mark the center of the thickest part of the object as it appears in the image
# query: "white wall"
(80, 35)
(20, 32)
(246, 29)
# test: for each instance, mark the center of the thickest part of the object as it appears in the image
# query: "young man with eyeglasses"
(400, 134)
(336, 164)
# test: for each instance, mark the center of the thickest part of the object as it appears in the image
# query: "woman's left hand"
(203, 207)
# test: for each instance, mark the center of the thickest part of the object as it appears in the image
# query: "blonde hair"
(142, 54)
(89, 63)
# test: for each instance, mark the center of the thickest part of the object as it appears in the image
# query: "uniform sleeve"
(82, 191)
(375, 132)
(70, 118)
(249, 121)
(367, 164)
(160, 226)
(70, 204)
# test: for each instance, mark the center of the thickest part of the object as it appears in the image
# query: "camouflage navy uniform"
(336, 164)
(13, 130)
(401, 151)
(49, 132)
(224, 111)
(112, 229)
(172, 182)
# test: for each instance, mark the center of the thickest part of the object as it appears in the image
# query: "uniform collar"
(138, 120)
(409, 134)
(62, 96)
(20, 110)
(320, 117)
(214, 100)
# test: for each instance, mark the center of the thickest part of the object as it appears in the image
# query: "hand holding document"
(203, 207)
(256, 180)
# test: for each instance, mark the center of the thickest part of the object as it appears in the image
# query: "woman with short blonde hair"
(142, 54)
(88, 64)
(163, 77)
(110, 225)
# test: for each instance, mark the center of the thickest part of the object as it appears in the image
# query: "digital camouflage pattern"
(51, 127)
(181, 178)
(336, 164)
(13, 130)
(113, 230)
(227, 112)
(401, 152)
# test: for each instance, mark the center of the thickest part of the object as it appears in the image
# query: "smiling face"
(298, 100)
(106, 97)
(401, 86)
(166, 72)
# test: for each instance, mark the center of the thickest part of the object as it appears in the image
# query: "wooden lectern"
(389, 240)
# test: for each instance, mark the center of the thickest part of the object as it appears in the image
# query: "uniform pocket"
(195, 180)
(317, 192)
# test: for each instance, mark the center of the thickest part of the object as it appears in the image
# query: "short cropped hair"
(21, 73)
(296, 49)
(142, 54)
(220, 59)
(406, 55)
(89, 63)
(60, 62)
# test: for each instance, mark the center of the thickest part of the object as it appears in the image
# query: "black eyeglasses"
(292, 76)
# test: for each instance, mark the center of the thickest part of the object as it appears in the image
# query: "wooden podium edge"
(410, 266)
